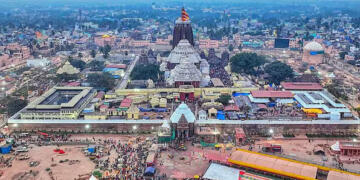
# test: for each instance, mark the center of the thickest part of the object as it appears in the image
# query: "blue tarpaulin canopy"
(220, 115)
(150, 171)
(240, 94)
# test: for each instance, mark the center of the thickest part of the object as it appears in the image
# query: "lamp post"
(87, 127)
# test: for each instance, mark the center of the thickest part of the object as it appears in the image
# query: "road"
(122, 84)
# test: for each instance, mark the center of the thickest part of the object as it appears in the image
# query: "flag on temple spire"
(184, 15)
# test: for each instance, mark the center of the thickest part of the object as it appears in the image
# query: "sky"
(79, 3)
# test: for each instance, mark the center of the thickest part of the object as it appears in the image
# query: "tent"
(60, 151)
(91, 149)
(220, 115)
(150, 171)
(5, 149)
(336, 146)
(44, 134)
(93, 178)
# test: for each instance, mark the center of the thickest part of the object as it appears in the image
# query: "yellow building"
(212, 113)
(110, 96)
(95, 116)
(133, 112)
(154, 102)
(162, 103)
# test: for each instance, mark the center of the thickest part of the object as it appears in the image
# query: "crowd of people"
(125, 160)
(130, 160)
(217, 68)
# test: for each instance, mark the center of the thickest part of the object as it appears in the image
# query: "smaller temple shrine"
(67, 68)
(182, 121)
(164, 133)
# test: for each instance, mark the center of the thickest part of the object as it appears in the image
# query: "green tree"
(93, 53)
(342, 54)
(101, 81)
(77, 63)
(23, 91)
(96, 65)
(246, 63)
(334, 90)
(65, 77)
(105, 50)
(278, 72)
(231, 47)
(80, 55)
(145, 72)
(224, 99)
(14, 105)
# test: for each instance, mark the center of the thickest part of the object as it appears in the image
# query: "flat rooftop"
(229, 173)
(301, 86)
(60, 98)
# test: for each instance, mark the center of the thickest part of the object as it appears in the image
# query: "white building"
(37, 62)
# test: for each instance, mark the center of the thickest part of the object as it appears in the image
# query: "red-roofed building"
(103, 108)
(100, 95)
(272, 94)
(126, 103)
(73, 84)
(301, 86)
(350, 148)
(271, 97)
(231, 107)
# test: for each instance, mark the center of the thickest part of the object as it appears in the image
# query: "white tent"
(336, 146)
(93, 178)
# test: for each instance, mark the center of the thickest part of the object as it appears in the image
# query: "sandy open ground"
(44, 154)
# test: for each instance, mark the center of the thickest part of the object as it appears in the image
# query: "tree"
(278, 72)
(145, 72)
(342, 54)
(80, 55)
(103, 81)
(246, 63)
(66, 77)
(96, 65)
(334, 90)
(231, 47)
(14, 105)
(93, 53)
(224, 99)
(105, 50)
(77, 63)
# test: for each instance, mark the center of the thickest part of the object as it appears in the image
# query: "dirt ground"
(195, 162)
(44, 154)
